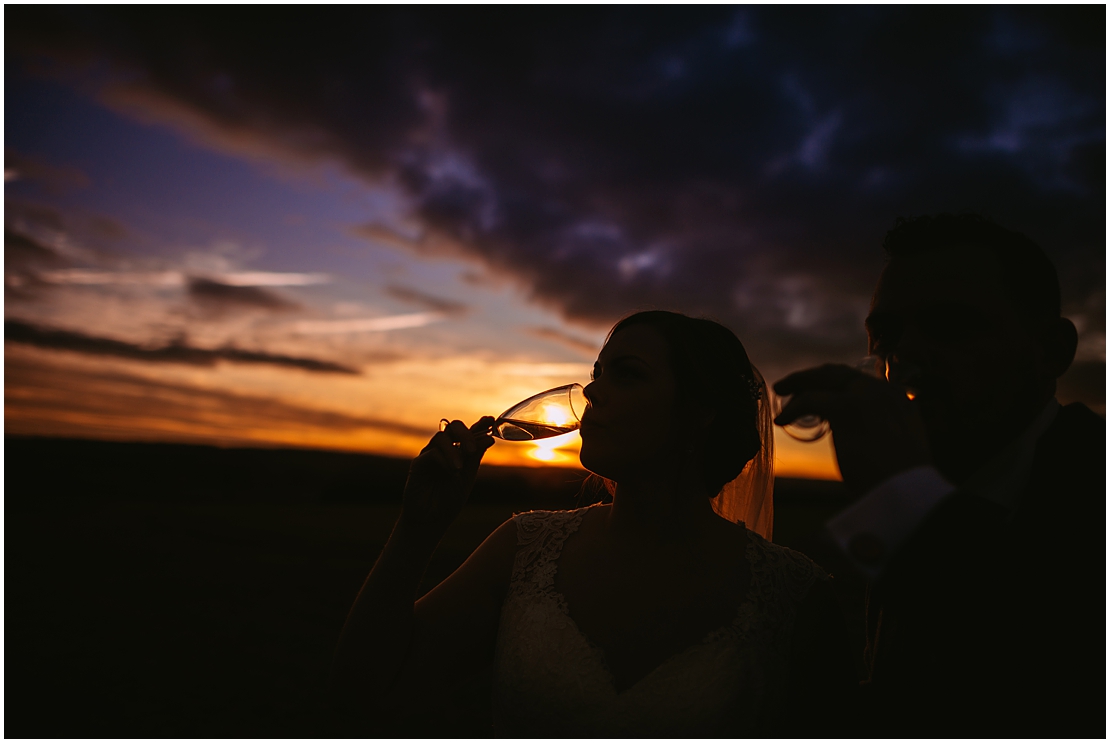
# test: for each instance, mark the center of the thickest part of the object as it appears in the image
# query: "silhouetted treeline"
(74, 467)
(161, 471)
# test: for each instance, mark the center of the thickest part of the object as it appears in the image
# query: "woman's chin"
(625, 462)
(595, 463)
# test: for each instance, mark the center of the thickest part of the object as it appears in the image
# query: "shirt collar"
(1004, 476)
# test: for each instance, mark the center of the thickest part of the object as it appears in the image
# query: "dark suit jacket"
(991, 622)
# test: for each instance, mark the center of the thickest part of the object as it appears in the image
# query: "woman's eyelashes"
(618, 372)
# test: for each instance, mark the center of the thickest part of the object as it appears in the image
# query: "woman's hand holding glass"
(442, 475)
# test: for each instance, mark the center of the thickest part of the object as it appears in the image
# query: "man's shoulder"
(1074, 443)
(1077, 418)
(1068, 474)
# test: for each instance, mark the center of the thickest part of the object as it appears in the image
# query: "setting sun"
(555, 415)
(557, 450)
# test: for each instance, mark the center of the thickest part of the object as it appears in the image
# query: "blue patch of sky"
(178, 194)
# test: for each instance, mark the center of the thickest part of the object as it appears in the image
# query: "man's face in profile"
(951, 335)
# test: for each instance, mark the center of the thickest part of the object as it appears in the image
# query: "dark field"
(158, 590)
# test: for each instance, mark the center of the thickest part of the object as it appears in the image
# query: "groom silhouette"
(980, 526)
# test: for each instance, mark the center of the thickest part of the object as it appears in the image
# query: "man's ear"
(1058, 342)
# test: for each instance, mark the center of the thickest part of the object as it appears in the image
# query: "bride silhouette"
(666, 613)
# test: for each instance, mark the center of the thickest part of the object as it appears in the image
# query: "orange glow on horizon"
(557, 450)
(813, 460)
(66, 395)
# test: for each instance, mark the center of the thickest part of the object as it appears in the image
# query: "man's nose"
(903, 364)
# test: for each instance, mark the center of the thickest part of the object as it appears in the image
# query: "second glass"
(813, 427)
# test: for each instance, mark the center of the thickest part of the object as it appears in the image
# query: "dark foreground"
(160, 590)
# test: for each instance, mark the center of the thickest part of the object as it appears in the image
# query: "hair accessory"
(755, 387)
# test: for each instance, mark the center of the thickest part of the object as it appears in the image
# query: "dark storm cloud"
(737, 162)
(407, 294)
(177, 352)
(217, 297)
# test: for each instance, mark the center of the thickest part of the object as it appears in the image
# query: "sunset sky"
(331, 227)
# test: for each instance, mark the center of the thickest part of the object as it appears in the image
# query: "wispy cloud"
(30, 216)
(271, 278)
(564, 338)
(571, 371)
(220, 297)
(367, 325)
(56, 178)
(21, 250)
(86, 276)
(94, 277)
(177, 352)
(440, 305)
(48, 400)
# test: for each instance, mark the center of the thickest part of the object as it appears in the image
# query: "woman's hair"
(713, 373)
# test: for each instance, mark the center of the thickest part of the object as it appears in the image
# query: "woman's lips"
(589, 424)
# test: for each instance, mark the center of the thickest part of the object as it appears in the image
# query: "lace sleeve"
(540, 537)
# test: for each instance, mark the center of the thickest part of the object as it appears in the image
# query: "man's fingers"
(813, 402)
(825, 377)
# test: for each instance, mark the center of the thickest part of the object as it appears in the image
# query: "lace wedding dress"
(551, 681)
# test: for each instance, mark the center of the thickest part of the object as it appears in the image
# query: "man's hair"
(1027, 275)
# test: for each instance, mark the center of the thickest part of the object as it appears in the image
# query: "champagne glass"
(549, 413)
(813, 427)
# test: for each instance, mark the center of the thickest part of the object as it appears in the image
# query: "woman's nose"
(590, 391)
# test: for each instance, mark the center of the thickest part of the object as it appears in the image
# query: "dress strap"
(539, 537)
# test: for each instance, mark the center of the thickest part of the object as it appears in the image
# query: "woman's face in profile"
(627, 428)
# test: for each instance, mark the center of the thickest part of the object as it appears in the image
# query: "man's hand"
(877, 432)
